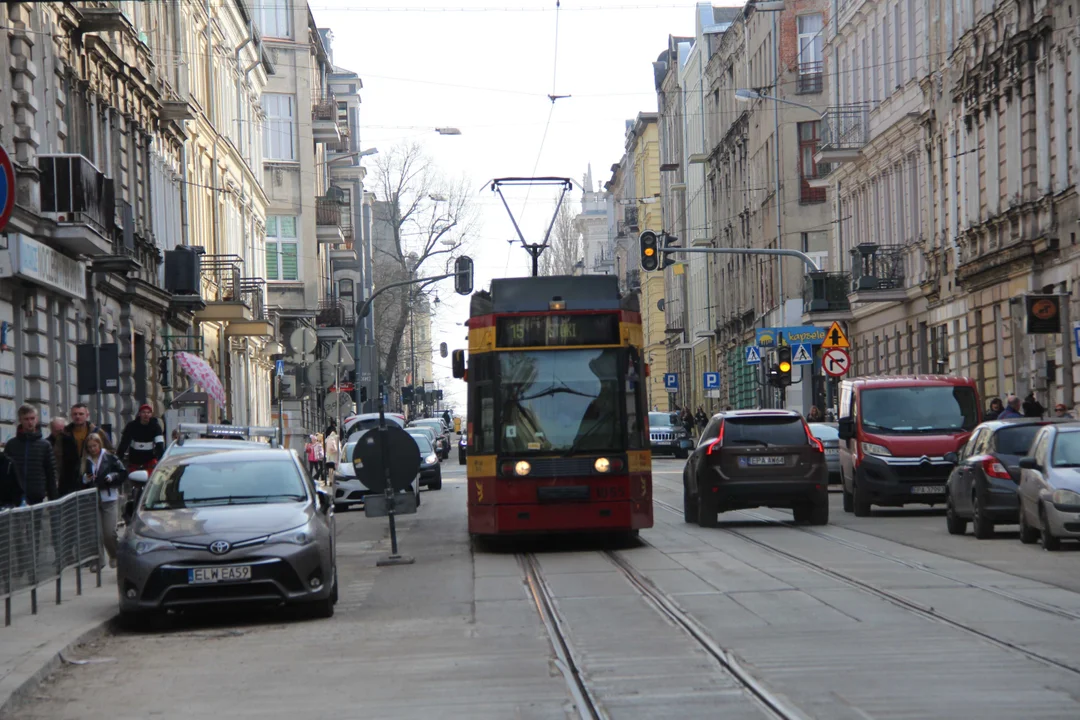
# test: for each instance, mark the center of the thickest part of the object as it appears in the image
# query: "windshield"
(200, 446)
(660, 419)
(347, 453)
(900, 410)
(424, 444)
(1016, 440)
(224, 483)
(1067, 450)
(560, 400)
(435, 425)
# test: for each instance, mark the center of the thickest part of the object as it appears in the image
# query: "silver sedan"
(830, 440)
(1050, 487)
(228, 527)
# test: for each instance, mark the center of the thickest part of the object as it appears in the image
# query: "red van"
(894, 434)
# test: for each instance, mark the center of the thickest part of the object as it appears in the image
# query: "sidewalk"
(30, 647)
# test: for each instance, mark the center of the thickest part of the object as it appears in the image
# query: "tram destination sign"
(524, 331)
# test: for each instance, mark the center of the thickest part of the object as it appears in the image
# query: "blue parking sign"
(671, 382)
(711, 380)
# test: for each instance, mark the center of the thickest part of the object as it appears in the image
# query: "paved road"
(882, 617)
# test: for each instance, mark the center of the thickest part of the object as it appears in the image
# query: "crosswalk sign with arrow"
(835, 337)
(802, 355)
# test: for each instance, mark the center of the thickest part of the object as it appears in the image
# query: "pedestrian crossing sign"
(753, 355)
(802, 355)
(835, 337)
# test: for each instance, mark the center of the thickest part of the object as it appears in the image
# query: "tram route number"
(610, 492)
(556, 330)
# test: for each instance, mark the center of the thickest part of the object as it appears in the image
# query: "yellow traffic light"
(785, 367)
(649, 252)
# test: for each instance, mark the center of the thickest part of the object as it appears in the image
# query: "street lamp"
(448, 131)
(748, 95)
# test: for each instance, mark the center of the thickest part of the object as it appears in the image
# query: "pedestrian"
(56, 440)
(1032, 407)
(143, 441)
(1060, 411)
(33, 460)
(815, 414)
(74, 447)
(688, 421)
(996, 407)
(701, 418)
(333, 449)
(103, 470)
(1012, 408)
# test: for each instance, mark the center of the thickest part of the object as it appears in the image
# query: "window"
(764, 430)
(281, 248)
(280, 137)
(274, 18)
(809, 140)
(810, 53)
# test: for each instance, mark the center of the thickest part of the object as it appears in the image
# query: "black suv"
(667, 435)
(755, 458)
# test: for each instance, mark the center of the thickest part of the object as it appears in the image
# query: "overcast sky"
(487, 70)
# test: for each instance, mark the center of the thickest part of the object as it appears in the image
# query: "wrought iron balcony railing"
(328, 211)
(224, 274)
(253, 294)
(846, 127)
(811, 78)
(874, 267)
(826, 292)
(334, 313)
(325, 108)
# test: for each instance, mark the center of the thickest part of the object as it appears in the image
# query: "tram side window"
(634, 397)
(482, 407)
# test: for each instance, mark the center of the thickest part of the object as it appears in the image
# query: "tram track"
(896, 599)
(589, 705)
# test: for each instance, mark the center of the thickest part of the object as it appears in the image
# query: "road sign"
(772, 337)
(803, 355)
(835, 337)
(340, 355)
(753, 355)
(279, 367)
(7, 188)
(836, 362)
(320, 374)
(671, 382)
(402, 458)
(711, 380)
(1076, 339)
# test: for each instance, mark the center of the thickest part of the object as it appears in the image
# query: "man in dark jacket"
(143, 440)
(32, 456)
(74, 447)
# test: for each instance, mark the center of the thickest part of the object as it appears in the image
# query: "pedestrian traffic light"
(463, 275)
(407, 395)
(163, 371)
(783, 366)
(670, 241)
(650, 252)
(363, 393)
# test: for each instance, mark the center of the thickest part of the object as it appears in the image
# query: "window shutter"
(271, 261)
(288, 261)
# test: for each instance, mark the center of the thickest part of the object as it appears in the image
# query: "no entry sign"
(7, 188)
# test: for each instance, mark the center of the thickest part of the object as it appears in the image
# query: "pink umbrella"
(201, 373)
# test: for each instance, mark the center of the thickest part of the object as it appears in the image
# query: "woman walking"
(103, 470)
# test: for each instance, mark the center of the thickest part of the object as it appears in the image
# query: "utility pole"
(412, 351)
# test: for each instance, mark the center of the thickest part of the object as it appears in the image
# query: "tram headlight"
(602, 465)
(522, 467)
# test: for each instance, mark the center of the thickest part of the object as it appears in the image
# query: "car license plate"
(767, 460)
(928, 490)
(832, 451)
(225, 573)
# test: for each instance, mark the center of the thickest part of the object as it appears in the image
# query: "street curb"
(16, 687)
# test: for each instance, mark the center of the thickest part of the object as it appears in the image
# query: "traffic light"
(463, 277)
(407, 395)
(670, 241)
(783, 366)
(163, 371)
(363, 393)
(650, 252)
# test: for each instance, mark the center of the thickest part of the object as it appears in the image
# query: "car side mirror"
(139, 477)
(324, 500)
(1028, 463)
(951, 457)
(846, 428)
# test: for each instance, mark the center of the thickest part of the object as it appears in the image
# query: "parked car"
(895, 433)
(430, 469)
(1050, 487)
(349, 490)
(442, 436)
(224, 527)
(982, 488)
(830, 439)
(425, 432)
(754, 458)
(367, 421)
(668, 436)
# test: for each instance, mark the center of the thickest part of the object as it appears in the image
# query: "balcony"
(877, 274)
(811, 78)
(253, 295)
(324, 120)
(812, 189)
(221, 277)
(344, 257)
(845, 132)
(333, 319)
(328, 219)
(82, 202)
(825, 296)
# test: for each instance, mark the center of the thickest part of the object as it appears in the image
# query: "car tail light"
(716, 443)
(813, 440)
(992, 467)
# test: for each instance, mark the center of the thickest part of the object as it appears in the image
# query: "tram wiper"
(556, 391)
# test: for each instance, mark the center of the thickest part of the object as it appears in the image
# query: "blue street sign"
(803, 354)
(753, 355)
(808, 334)
(671, 381)
(280, 369)
(7, 188)
(711, 380)
(1076, 339)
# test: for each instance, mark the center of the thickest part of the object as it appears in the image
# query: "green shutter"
(271, 261)
(288, 226)
(288, 261)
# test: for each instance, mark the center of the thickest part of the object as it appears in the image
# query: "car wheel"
(436, 482)
(334, 590)
(955, 524)
(461, 458)
(339, 508)
(689, 505)
(819, 510)
(139, 620)
(860, 501)
(849, 499)
(321, 609)
(1049, 542)
(681, 454)
(1028, 534)
(708, 512)
(981, 526)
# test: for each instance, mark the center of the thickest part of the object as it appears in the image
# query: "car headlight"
(297, 536)
(522, 468)
(602, 465)
(1065, 497)
(431, 460)
(145, 545)
(875, 449)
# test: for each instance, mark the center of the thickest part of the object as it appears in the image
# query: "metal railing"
(810, 78)
(74, 191)
(253, 294)
(809, 194)
(876, 267)
(333, 313)
(325, 108)
(39, 542)
(846, 127)
(826, 292)
(224, 272)
(327, 211)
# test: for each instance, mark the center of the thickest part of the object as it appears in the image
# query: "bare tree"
(422, 216)
(565, 247)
